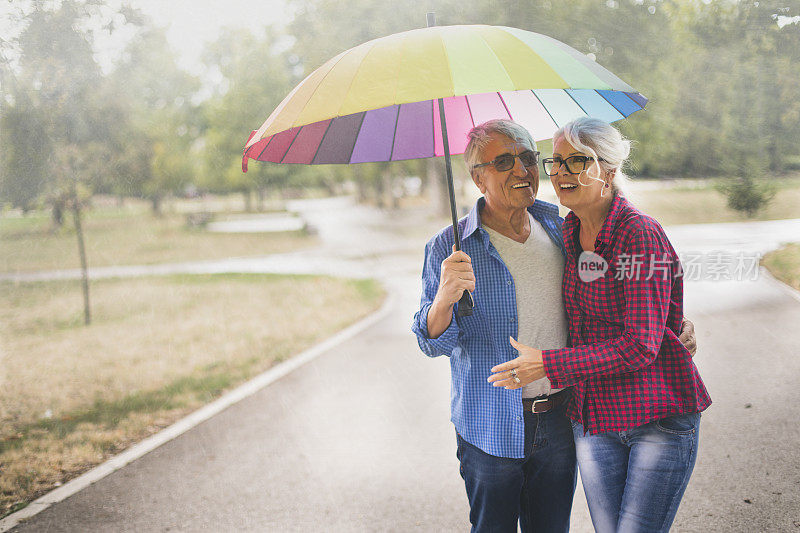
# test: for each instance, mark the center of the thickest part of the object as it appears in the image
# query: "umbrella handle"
(465, 305)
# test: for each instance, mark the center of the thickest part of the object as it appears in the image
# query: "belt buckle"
(533, 406)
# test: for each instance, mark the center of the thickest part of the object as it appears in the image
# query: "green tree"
(256, 74)
(23, 159)
(52, 104)
(154, 138)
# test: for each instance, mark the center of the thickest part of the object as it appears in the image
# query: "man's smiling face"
(512, 189)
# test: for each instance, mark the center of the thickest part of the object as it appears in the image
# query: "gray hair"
(479, 138)
(601, 140)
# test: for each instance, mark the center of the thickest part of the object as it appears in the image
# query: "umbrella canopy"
(376, 102)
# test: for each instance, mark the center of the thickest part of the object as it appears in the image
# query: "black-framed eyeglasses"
(504, 162)
(575, 164)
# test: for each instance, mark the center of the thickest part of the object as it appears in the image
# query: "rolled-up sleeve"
(444, 344)
(647, 304)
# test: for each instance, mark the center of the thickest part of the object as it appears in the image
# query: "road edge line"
(788, 289)
(194, 419)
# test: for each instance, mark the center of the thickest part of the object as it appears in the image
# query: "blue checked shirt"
(486, 416)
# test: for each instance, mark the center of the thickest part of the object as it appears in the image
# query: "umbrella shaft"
(449, 171)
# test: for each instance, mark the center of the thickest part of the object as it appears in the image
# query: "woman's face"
(576, 190)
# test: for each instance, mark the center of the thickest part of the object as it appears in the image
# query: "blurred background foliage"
(721, 75)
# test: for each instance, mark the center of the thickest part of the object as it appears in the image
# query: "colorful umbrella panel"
(413, 130)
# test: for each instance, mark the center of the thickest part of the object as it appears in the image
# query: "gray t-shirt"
(537, 267)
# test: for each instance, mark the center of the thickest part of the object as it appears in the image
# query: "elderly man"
(515, 446)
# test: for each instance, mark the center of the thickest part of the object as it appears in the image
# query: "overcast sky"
(192, 23)
(189, 23)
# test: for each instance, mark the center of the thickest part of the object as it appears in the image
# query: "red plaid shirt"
(625, 364)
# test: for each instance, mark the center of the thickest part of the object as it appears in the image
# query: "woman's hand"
(528, 367)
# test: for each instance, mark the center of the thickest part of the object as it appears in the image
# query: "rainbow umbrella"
(376, 102)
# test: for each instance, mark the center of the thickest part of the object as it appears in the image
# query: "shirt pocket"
(473, 325)
(603, 298)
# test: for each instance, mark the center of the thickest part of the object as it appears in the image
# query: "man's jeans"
(634, 480)
(537, 490)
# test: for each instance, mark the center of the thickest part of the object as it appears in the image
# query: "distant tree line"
(722, 79)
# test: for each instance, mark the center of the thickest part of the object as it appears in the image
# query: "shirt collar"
(614, 213)
(540, 210)
(618, 205)
(473, 218)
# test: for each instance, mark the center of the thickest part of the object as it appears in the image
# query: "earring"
(607, 185)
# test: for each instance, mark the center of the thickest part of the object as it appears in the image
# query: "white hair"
(479, 137)
(600, 140)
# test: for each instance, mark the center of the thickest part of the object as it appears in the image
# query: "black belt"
(543, 404)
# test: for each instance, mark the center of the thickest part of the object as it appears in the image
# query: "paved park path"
(359, 439)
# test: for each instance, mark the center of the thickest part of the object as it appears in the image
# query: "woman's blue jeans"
(634, 480)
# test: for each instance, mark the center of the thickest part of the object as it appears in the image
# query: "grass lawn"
(704, 204)
(696, 201)
(127, 236)
(158, 348)
(784, 264)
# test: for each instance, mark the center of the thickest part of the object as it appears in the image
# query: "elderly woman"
(636, 394)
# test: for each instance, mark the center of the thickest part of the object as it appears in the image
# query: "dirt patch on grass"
(72, 396)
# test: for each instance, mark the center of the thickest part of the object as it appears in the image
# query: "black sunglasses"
(504, 162)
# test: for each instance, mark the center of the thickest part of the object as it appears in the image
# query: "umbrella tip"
(431, 17)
